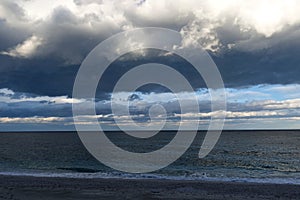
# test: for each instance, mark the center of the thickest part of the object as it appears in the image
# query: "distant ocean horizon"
(271, 156)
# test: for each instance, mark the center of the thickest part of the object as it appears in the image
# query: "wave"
(120, 175)
(78, 169)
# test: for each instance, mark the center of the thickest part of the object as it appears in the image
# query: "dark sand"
(37, 188)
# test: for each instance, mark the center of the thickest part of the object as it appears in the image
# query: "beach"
(48, 188)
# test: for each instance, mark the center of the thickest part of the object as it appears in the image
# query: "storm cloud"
(47, 44)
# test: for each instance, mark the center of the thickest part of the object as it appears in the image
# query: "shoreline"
(33, 188)
(87, 175)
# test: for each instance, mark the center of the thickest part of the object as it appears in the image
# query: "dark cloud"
(31, 109)
(41, 77)
(277, 64)
(10, 36)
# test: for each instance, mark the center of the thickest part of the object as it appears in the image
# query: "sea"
(264, 156)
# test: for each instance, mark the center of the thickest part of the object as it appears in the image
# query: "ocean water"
(243, 156)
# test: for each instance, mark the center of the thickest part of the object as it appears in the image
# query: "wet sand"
(36, 188)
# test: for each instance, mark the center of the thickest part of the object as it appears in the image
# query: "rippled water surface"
(239, 155)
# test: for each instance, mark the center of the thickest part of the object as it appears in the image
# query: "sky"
(255, 45)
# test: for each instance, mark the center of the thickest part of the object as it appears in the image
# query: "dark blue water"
(258, 156)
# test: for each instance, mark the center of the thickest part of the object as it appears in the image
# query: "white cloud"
(9, 96)
(6, 92)
(269, 17)
(30, 119)
(26, 49)
(201, 32)
(273, 104)
(238, 115)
